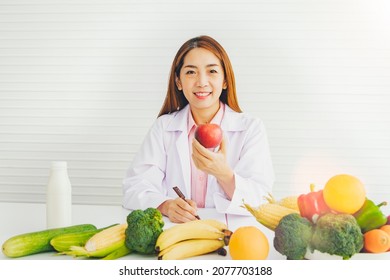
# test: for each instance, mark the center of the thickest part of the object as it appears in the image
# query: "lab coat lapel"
(232, 121)
(179, 125)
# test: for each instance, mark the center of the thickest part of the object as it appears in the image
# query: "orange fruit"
(248, 243)
(386, 228)
(376, 241)
(344, 193)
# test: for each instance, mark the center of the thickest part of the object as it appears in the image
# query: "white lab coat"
(163, 162)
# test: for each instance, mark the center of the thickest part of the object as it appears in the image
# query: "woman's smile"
(202, 94)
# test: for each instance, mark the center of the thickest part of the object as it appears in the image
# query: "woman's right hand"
(178, 210)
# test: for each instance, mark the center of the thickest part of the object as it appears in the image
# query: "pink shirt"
(198, 177)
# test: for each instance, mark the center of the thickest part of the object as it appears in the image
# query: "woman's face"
(202, 79)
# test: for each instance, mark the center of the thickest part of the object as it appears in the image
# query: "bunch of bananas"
(193, 238)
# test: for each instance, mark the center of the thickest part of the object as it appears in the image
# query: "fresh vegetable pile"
(139, 235)
(338, 220)
(142, 233)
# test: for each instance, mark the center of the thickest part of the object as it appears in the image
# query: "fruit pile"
(200, 237)
(318, 220)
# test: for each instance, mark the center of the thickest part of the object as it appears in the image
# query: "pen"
(181, 195)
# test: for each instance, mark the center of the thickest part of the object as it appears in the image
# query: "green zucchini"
(39, 241)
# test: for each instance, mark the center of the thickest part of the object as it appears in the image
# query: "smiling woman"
(201, 90)
(218, 57)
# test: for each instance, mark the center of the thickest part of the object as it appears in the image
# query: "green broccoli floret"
(337, 234)
(292, 236)
(143, 229)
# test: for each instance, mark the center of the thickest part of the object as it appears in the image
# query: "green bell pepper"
(370, 216)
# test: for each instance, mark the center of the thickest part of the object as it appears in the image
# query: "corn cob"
(102, 243)
(269, 214)
(289, 201)
(63, 242)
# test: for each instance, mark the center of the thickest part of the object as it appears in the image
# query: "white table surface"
(18, 218)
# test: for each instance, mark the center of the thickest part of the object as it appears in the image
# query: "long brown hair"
(175, 100)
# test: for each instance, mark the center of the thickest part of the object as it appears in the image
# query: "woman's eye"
(190, 72)
(213, 71)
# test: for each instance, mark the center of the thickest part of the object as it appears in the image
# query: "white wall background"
(82, 81)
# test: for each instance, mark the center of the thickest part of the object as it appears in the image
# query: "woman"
(201, 90)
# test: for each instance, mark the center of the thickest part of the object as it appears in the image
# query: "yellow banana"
(215, 223)
(191, 248)
(190, 230)
(220, 226)
(167, 249)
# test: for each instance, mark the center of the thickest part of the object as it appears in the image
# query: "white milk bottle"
(58, 196)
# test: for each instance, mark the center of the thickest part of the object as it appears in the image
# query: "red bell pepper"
(312, 205)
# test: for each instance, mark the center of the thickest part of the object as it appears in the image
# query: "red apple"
(388, 220)
(209, 135)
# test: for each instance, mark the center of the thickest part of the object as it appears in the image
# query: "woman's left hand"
(211, 162)
(214, 163)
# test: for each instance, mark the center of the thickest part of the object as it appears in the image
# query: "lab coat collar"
(179, 120)
(232, 120)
